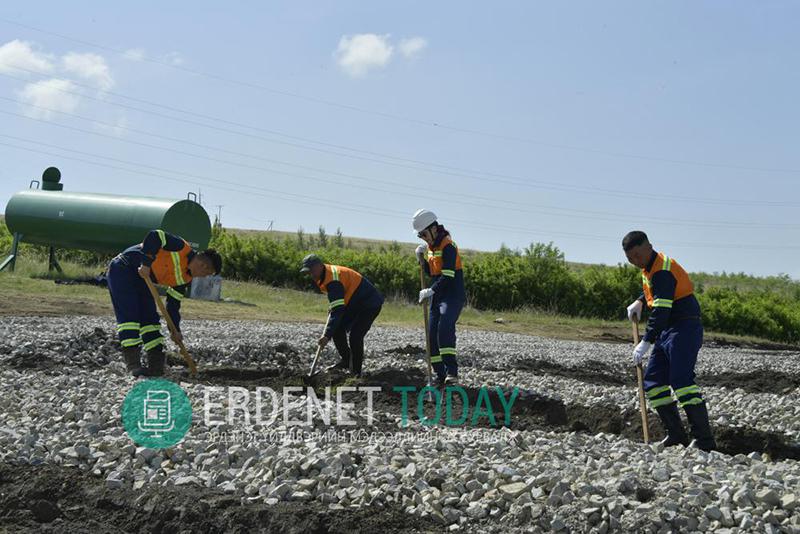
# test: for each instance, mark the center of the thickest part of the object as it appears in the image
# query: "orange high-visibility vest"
(436, 261)
(683, 286)
(349, 278)
(172, 268)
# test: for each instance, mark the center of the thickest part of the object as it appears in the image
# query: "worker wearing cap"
(442, 262)
(675, 335)
(354, 304)
(167, 260)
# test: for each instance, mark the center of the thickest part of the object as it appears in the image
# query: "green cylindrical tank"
(102, 223)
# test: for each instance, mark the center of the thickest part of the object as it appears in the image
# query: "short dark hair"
(213, 257)
(634, 239)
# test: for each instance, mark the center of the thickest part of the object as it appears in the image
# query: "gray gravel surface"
(62, 383)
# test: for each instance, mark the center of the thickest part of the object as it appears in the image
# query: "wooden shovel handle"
(427, 327)
(171, 326)
(319, 348)
(640, 380)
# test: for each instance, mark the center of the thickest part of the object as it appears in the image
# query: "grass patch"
(31, 290)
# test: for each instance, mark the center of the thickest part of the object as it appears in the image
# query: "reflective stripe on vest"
(683, 285)
(436, 259)
(171, 269)
(349, 278)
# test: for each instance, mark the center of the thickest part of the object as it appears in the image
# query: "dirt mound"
(600, 373)
(536, 412)
(58, 499)
(30, 361)
(413, 350)
(530, 410)
(388, 378)
(275, 378)
(88, 350)
(733, 440)
(590, 371)
(755, 381)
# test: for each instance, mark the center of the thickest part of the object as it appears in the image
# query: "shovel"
(429, 396)
(189, 361)
(320, 348)
(640, 379)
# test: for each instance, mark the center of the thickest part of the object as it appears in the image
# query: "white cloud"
(91, 67)
(44, 98)
(21, 54)
(134, 54)
(358, 54)
(412, 46)
(49, 94)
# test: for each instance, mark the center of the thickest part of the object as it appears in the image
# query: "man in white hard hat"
(442, 262)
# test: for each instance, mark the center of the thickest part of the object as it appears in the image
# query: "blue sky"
(515, 122)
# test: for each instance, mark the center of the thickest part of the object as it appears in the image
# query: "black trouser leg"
(358, 330)
(340, 340)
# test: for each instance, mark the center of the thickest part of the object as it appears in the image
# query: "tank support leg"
(53, 262)
(11, 260)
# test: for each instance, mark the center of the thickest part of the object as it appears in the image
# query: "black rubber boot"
(701, 429)
(671, 419)
(133, 360)
(155, 361)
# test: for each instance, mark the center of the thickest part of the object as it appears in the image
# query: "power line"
(273, 193)
(445, 195)
(529, 183)
(360, 208)
(422, 122)
(304, 199)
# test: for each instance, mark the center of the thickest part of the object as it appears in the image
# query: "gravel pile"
(63, 383)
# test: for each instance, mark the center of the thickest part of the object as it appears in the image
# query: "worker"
(674, 334)
(440, 259)
(167, 260)
(354, 304)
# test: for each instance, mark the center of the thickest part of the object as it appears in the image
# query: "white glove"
(421, 252)
(425, 294)
(635, 311)
(641, 350)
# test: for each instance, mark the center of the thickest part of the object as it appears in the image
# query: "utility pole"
(219, 207)
(269, 228)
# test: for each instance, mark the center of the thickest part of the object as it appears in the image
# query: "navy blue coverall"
(449, 297)
(135, 310)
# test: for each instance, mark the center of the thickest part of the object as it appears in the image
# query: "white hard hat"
(423, 219)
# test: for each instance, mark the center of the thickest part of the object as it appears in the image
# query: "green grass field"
(31, 290)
